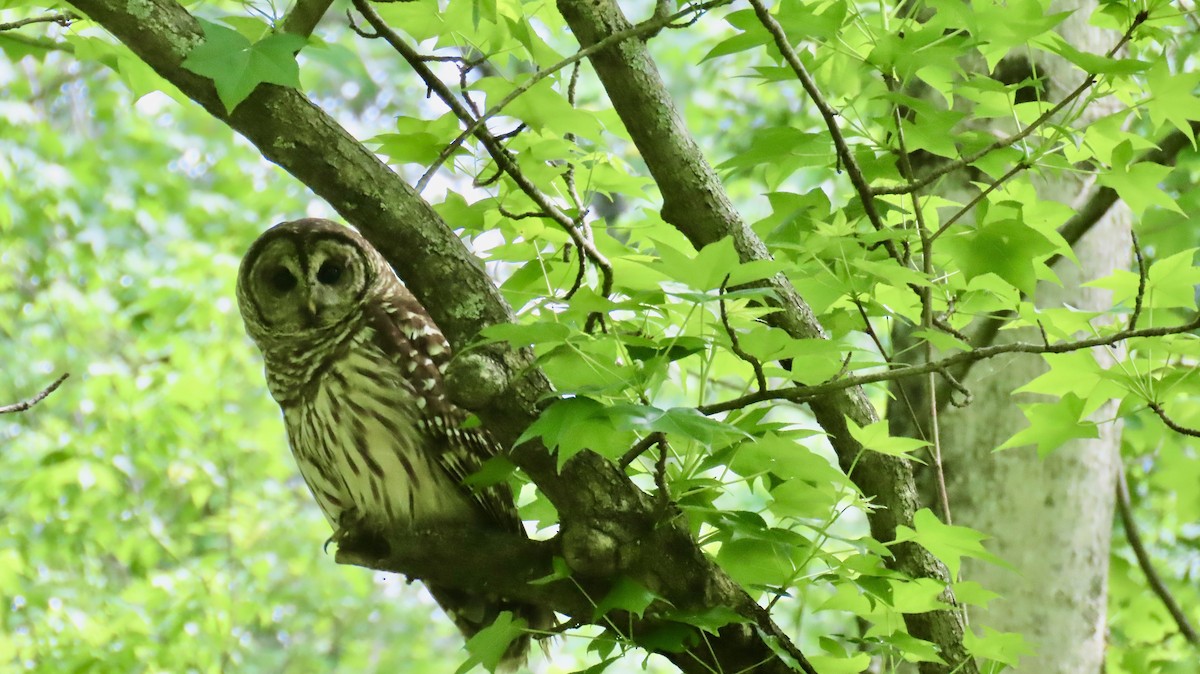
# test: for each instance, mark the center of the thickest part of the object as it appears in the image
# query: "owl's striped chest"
(358, 439)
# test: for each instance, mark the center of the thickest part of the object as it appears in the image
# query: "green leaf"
(488, 646)
(947, 542)
(571, 425)
(1173, 97)
(1096, 64)
(236, 66)
(626, 595)
(875, 438)
(1051, 425)
(1004, 647)
(1139, 183)
(1007, 248)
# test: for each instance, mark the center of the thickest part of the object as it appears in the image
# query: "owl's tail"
(472, 613)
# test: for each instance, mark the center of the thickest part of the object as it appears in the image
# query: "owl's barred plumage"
(355, 363)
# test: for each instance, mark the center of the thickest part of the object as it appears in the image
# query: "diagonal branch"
(1125, 509)
(26, 404)
(498, 152)
(304, 16)
(609, 526)
(865, 196)
(695, 203)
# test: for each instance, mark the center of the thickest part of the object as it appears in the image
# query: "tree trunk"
(1050, 517)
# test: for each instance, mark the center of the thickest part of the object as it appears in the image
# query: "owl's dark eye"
(282, 280)
(329, 273)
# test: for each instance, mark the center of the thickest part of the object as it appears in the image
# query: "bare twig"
(1171, 423)
(928, 318)
(26, 404)
(63, 19)
(807, 393)
(522, 216)
(1020, 166)
(1141, 291)
(870, 329)
(735, 345)
(1147, 565)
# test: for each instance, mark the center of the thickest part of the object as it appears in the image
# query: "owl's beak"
(312, 307)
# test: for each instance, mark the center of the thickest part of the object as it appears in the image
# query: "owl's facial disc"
(299, 285)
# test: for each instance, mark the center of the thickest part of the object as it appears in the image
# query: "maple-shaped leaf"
(1138, 183)
(1051, 425)
(236, 65)
(1007, 248)
(947, 542)
(1173, 98)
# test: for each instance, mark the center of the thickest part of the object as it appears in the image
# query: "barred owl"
(355, 362)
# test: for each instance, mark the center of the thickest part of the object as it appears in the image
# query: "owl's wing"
(405, 332)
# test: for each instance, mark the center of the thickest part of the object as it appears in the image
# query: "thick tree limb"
(695, 202)
(609, 526)
(304, 16)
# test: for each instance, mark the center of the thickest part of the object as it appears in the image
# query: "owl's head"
(305, 276)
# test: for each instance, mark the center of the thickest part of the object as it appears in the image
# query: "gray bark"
(1051, 517)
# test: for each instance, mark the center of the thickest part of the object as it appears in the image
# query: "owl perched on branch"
(356, 363)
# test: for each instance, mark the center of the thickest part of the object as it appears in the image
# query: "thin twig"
(735, 345)
(26, 404)
(1171, 423)
(1020, 166)
(497, 151)
(830, 116)
(522, 216)
(1141, 291)
(927, 316)
(1147, 565)
(63, 19)
(950, 167)
(647, 27)
(870, 329)
(640, 448)
(806, 393)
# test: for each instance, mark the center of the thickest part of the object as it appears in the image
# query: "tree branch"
(695, 203)
(63, 19)
(1147, 565)
(950, 167)
(304, 16)
(845, 156)
(609, 526)
(26, 404)
(808, 393)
